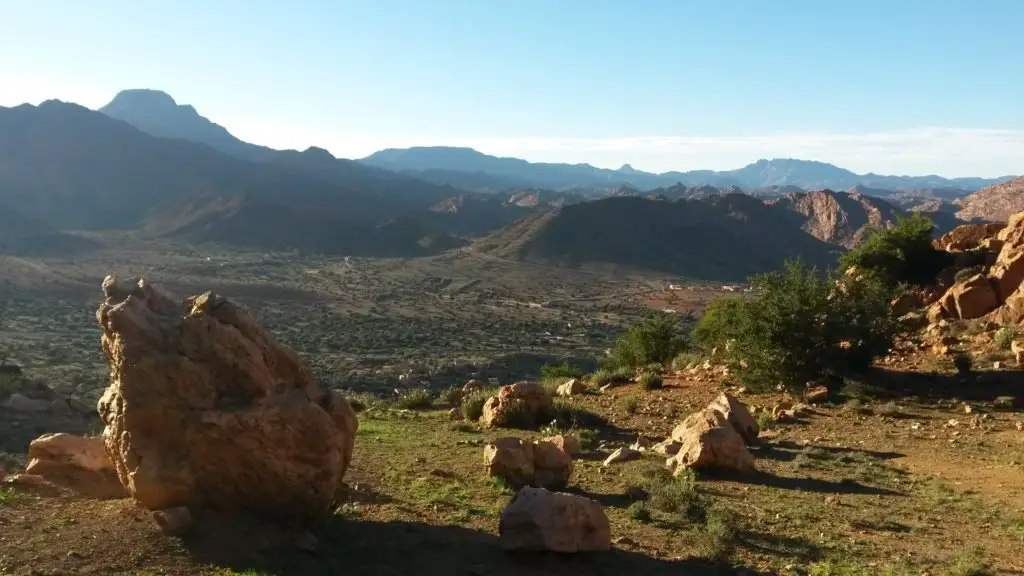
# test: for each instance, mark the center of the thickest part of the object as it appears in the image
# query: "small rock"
(455, 414)
(641, 444)
(622, 455)
(569, 444)
(571, 387)
(624, 541)
(815, 393)
(307, 542)
(173, 521)
(26, 480)
(968, 409)
(1019, 425)
(669, 447)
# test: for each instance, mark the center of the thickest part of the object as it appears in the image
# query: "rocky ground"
(906, 485)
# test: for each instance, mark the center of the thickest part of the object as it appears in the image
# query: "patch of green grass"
(654, 368)
(630, 404)
(415, 400)
(675, 495)
(970, 563)
(619, 375)
(640, 512)
(1004, 337)
(684, 360)
(7, 495)
(836, 568)
(651, 381)
(561, 371)
(568, 414)
(717, 537)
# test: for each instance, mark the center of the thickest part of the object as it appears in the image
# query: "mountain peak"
(138, 97)
(626, 168)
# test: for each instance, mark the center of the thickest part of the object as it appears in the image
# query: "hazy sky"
(890, 86)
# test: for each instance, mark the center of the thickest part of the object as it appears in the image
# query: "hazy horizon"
(869, 86)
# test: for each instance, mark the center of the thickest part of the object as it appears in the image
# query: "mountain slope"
(837, 218)
(994, 203)
(432, 162)
(725, 238)
(157, 114)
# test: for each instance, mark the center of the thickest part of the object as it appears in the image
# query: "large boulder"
(972, 298)
(524, 463)
(967, 237)
(524, 402)
(203, 408)
(571, 387)
(539, 520)
(80, 464)
(715, 437)
(708, 441)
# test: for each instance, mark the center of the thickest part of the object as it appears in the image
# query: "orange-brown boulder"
(967, 237)
(204, 408)
(972, 298)
(517, 403)
(538, 520)
(77, 463)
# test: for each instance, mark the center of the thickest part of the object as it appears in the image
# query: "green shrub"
(963, 362)
(630, 404)
(799, 326)
(717, 537)
(473, 404)
(654, 368)
(966, 273)
(686, 359)
(651, 381)
(655, 339)
(902, 254)
(452, 395)
(567, 415)
(614, 376)
(640, 512)
(588, 437)
(1004, 337)
(673, 494)
(561, 371)
(415, 400)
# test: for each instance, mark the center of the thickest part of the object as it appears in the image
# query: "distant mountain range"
(147, 164)
(466, 167)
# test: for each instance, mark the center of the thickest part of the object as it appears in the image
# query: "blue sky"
(896, 86)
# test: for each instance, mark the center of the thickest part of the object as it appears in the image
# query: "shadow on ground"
(983, 386)
(397, 548)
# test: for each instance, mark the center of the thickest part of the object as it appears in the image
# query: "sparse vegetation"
(640, 512)
(564, 371)
(612, 376)
(630, 404)
(657, 339)
(799, 326)
(1004, 337)
(473, 404)
(902, 254)
(964, 362)
(415, 400)
(650, 381)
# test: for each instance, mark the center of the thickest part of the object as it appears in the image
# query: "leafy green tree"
(800, 325)
(655, 339)
(903, 254)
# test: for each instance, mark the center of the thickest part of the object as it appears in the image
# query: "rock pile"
(204, 409)
(995, 293)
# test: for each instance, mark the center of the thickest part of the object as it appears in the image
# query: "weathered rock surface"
(539, 520)
(568, 443)
(525, 463)
(203, 408)
(622, 455)
(972, 298)
(77, 463)
(715, 437)
(967, 237)
(571, 387)
(524, 399)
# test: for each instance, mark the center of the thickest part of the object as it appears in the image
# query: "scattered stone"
(625, 541)
(455, 414)
(569, 444)
(77, 463)
(571, 387)
(173, 521)
(710, 440)
(1004, 402)
(622, 455)
(26, 480)
(522, 397)
(641, 445)
(606, 387)
(667, 447)
(815, 393)
(524, 463)
(307, 542)
(203, 407)
(539, 520)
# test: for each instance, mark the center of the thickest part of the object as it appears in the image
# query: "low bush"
(651, 381)
(415, 400)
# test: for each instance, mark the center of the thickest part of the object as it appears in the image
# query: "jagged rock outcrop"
(80, 464)
(995, 292)
(517, 404)
(839, 218)
(967, 237)
(203, 408)
(539, 520)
